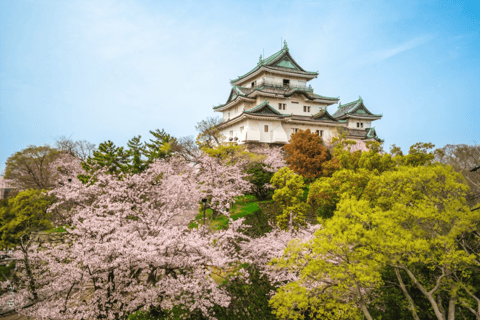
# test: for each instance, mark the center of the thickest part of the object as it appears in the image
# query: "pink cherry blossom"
(125, 255)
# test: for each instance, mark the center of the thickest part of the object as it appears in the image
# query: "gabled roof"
(263, 108)
(372, 134)
(309, 95)
(326, 98)
(354, 108)
(324, 115)
(281, 60)
(234, 93)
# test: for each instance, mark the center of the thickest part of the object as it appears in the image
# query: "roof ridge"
(319, 95)
(264, 103)
(263, 62)
(349, 103)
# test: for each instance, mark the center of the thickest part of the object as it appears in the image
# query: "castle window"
(265, 128)
(241, 129)
(281, 106)
(286, 82)
(295, 102)
(294, 130)
(320, 133)
(306, 108)
(229, 116)
(359, 124)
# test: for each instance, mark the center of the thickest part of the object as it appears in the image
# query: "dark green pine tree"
(109, 156)
(160, 147)
(136, 154)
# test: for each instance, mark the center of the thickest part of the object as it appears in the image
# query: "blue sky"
(110, 70)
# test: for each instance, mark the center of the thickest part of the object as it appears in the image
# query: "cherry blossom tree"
(261, 251)
(220, 183)
(125, 255)
(273, 157)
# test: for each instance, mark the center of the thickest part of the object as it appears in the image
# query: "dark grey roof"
(356, 107)
(263, 108)
(368, 133)
(324, 115)
(279, 60)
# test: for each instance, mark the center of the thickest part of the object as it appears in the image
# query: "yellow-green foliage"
(25, 213)
(408, 218)
(231, 153)
(355, 170)
(288, 195)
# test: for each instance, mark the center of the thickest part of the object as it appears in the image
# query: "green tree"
(135, 159)
(249, 297)
(408, 219)
(231, 153)
(288, 195)
(135, 152)
(209, 135)
(259, 177)
(30, 168)
(352, 173)
(22, 216)
(420, 154)
(114, 159)
(161, 147)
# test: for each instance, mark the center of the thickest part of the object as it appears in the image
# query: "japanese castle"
(273, 100)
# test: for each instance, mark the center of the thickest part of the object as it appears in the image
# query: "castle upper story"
(277, 90)
(281, 80)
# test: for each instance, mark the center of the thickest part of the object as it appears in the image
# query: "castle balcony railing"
(285, 87)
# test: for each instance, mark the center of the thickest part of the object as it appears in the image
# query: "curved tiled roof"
(324, 115)
(274, 58)
(326, 98)
(355, 107)
(309, 95)
(261, 106)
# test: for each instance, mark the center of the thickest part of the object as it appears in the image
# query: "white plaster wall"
(294, 108)
(328, 132)
(352, 123)
(234, 111)
(255, 128)
(235, 132)
(277, 79)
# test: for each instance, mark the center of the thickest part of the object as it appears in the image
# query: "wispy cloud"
(378, 56)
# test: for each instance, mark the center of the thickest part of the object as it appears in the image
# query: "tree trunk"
(411, 304)
(451, 306)
(363, 307)
(433, 303)
(365, 311)
(28, 270)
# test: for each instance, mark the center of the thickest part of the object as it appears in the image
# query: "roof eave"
(232, 103)
(313, 121)
(285, 71)
(354, 116)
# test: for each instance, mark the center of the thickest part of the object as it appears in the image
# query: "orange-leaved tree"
(306, 154)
